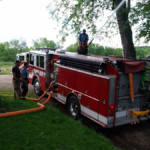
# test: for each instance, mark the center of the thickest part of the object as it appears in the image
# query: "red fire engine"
(110, 91)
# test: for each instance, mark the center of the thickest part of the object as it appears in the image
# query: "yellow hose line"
(136, 114)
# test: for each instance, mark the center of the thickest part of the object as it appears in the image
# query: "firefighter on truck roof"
(24, 80)
(16, 79)
(83, 39)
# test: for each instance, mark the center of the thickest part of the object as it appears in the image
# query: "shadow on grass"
(47, 129)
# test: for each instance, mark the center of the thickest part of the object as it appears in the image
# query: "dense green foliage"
(44, 42)
(142, 52)
(8, 50)
(46, 130)
(89, 14)
(81, 13)
(96, 49)
(78, 14)
(141, 15)
(6, 67)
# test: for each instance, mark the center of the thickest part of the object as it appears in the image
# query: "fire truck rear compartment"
(123, 92)
(124, 105)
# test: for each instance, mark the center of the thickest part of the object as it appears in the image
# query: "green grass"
(11, 92)
(46, 130)
(6, 67)
(6, 91)
(11, 104)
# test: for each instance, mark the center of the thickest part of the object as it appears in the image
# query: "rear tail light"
(111, 110)
(111, 107)
(103, 126)
(109, 62)
(132, 123)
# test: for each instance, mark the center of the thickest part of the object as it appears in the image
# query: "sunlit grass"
(11, 92)
(6, 67)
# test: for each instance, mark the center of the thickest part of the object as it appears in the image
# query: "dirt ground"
(135, 137)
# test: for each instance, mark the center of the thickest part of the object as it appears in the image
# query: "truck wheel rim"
(74, 109)
(37, 87)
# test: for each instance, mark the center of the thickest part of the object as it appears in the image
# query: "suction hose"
(23, 111)
(41, 105)
(42, 94)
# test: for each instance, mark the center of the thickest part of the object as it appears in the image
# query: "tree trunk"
(125, 31)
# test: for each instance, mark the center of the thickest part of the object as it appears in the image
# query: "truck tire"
(74, 107)
(37, 87)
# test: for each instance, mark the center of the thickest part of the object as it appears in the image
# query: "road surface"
(6, 82)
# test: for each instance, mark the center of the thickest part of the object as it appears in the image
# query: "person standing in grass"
(24, 80)
(16, 79)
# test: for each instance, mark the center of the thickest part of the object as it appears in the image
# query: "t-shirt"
(83, 37)
(16, 70)
(24, 73)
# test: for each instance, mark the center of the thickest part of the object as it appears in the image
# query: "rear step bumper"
(127, 120)
(130, 120)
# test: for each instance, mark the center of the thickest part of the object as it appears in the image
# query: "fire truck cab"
(23, 57)
(105, 89)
